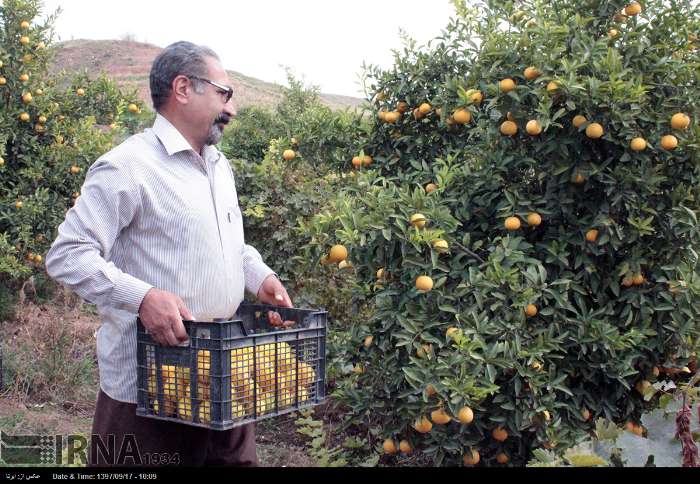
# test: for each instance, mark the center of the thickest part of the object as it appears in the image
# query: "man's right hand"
(162, 313)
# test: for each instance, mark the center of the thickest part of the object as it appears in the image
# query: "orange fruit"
(441, 246)
(368, 341)
(638, 279)
(338, 252)
(42, 119)
(133, 108)
(627, 282)
(382, 115)
(418, 115)
(75, 169)
(18, 204)
(288, 155)
(37, 259)
(502, 458)
(451, 332)
(405, 447)
(531, 73)
(669, 142)
(440, 417)
(499, 434)
(430, 187)
(619, 18)
(638, 144)
(430, 390)
(462, 116)
(389, 447)
(680, 121)
(392, 116)
(579, 121)
(2, 161)
(592, 235)
(356, 161)
(586, 414)
(655, 371)
(579, 179)
(534, 219)
(471, 457)
(531, 310)
(24, 77)
(425, 108)
(366, 160)
(418, 220)
(465, 415)
(27, 97)
(24, 25)
(3, 81)
(475, 96)
(402, 107)
(24, 117)
(553, 86)
(506, 85)
(634, 8)
(424, 283)
(380, 273)
(24, 40)
(423, 425)
(509, 128)
(512, 223)
(612, 33)
(533, 127)
(594, 131)
(80, 91)
(40, 46)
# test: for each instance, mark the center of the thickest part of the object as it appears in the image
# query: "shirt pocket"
(232, 233)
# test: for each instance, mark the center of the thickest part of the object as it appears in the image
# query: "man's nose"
(229, 108)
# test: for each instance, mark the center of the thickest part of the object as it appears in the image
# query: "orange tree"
(50, 135)
(527, 230)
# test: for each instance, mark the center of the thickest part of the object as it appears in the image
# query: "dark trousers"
(130, 440)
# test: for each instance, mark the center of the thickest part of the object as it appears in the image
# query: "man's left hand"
(272, 292)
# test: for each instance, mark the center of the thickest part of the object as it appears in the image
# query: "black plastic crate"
(235, 372)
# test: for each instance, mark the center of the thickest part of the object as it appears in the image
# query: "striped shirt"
(153, 213)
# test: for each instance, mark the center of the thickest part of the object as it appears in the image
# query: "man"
(157, 232)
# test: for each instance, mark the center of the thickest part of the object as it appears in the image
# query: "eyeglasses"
(226, 91)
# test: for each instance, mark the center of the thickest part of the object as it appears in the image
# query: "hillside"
(130, 62)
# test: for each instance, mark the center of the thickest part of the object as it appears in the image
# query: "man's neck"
(181, 126)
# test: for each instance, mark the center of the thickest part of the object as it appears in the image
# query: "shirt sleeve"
(109, 201)
(255, 270)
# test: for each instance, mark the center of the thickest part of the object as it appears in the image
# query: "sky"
(323, 42)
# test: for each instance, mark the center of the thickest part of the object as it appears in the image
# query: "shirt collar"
(174, 142)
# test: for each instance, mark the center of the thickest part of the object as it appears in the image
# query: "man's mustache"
(224, 118)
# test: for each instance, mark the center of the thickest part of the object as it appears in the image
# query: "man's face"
(212, 109)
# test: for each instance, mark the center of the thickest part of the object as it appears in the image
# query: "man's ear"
(182, 89)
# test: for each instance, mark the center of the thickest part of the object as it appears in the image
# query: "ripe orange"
(3, 81)
(627, 282)
(638, 279)
(24, 25)
(592, 235)
(531, 73)
(418, 220)
(579, 179)
(638, 144)
(42, 119)
(405, 447)
(382, 115)
(669, 142)
(27, 58)
(594, 131)
(452, 331)
(441, 246)
(80, 91)
(289, 155)
(531, 310)
(465, 415)
(40, 46)
(37, 259)
(499, 434)
(502, 458)
(586, 414)
(612, 33)
(462, 116)
(389, 447)
(402, 107)
(506, 85)
(680, 121)
(368, 341)
(133, 108)
(634, 8)
(423, 425)
(579, 121)
(553, 86)
(380, 273)
(418, 115)
(533, 127)
(509, 128)
(534, 219)
(24, 77)
(430, 187)
(475, 96)
(24, 40)
(512, 223)
(655, 371)
(471, 457)
(24, 117)
(440, 417)
(18, 204)
(424, 283)
(356, 161)
(75, 169)
(338, 252)
(392, 116)
(2, 161)
(366, 160)
(27, 97)
(619, 18)
(425, 108)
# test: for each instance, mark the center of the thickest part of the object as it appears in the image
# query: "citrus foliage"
(50, 136)
(566, 268)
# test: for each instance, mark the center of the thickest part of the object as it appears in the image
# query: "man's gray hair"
(180, 58)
